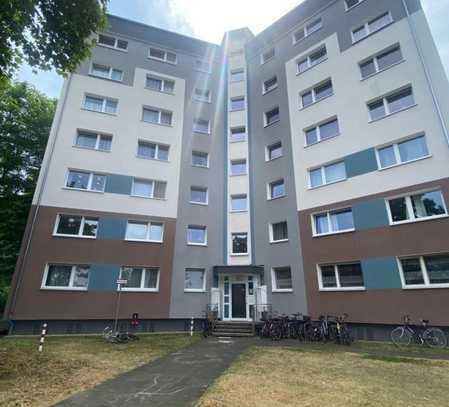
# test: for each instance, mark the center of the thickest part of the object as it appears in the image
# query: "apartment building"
(304, 169)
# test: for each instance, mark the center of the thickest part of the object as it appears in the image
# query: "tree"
(25, 120)
(48, 33)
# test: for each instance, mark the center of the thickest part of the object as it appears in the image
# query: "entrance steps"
(233, 329)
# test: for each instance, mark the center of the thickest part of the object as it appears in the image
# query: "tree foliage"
(48, 33)
(25, 120)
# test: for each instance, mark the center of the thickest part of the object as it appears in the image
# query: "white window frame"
(152, 181)
(318, 131)
(233, 254)
(197, 202)
(103, 107)
(268, 149)
(163, 84)
(142, 279)
(271, 233)
(156, 152)
(110, 70)
(237, 141)
(366, 26)
(239, 160)
(70, 287)
(265, 121)
(165, 60)
(337, 278)
(200, 99)
(201, 69)
(397, 154)
(269, 186)
(355, 5)
(384, 98)
(200, 166)
(234, 98)
(409, 206)
(196, 227)
(97, 143)
(313, 91)
(308, 58)
(116, 39)
(89, 186)
(148, 224)
(235, 71)
(237, 196)
(306, 30)
(195, 120)
(274, 281)
(264, 60)
(328, 214)
(323, 175)
(265, 90)
(159, 120)
(195, 290)
(424, 272)
(79, 235)
(375, 57)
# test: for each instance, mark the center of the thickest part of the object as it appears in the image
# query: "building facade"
(305, 169)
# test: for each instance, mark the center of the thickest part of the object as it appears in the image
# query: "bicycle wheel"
(435, 338)
(401, 336)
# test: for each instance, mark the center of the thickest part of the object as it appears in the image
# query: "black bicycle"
(405, 335)
(343, 335)
(208, 324)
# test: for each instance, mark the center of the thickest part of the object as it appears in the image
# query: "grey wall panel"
(361, 162)
(119, 184)
(110, 228)
(103, 277)
(370, 214)
(381, 273)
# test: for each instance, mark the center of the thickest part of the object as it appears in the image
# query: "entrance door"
(238, 300)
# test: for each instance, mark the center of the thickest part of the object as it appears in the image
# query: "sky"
(209, 19)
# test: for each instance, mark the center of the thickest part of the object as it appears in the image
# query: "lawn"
(320, 376)
(71, 364)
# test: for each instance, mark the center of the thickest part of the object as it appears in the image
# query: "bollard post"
(191, 326)
(43, 333)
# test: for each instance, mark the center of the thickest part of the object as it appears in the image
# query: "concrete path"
(177, 379)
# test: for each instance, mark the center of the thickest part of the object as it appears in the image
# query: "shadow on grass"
(395, 359)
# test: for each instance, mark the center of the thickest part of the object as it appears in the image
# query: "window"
(267, 55)
(327, 174)
(312, 59)
(76, 226)
(66, 277)
(159, 84)
(153, 151)
(282, 279)
(149, 188)
(425, 271)
(381, 61)
(239, 243)
(140, 279)
(93, 141)
(157, 116)
(270, 84)
(276, 189)
(333, 222)
(274, 151)
(103, 71)
(309, 29)
(352, 3)
(198, 195)
(386, 106)
(201, 126)
(371, 27)
(145, 231)
(162, 55)
(317, 93)
(107, 41)
(403, 152)
(272, 116)
(237, 75)
(200, 159)
(341, 277)
(416, 207)
(197, 235)
(100, 104)
(238, 134)
(239, 203)
(86, 180)
(237, 103)
(322, 132)
(278, 232)
(203, 66)
(201, 95)
(195, 280)
(238, 167)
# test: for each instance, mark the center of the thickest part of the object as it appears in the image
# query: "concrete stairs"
(233, 329)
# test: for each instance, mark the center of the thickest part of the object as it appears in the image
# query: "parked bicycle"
(405, 335)
(343, 335)
(209, 323)
(118, 337)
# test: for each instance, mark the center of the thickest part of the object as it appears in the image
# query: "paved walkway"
(177, 379)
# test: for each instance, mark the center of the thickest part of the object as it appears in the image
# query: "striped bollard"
(43, 333)
(191, 327)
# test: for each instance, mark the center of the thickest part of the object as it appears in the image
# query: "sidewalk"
(177, 379)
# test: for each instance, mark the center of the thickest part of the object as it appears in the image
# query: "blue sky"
(209, 19)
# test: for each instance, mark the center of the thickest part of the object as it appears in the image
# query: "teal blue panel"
(360, 163)
(119, 184)
(370, 214)
(103, 277)
(110, 228)
(381, 273)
